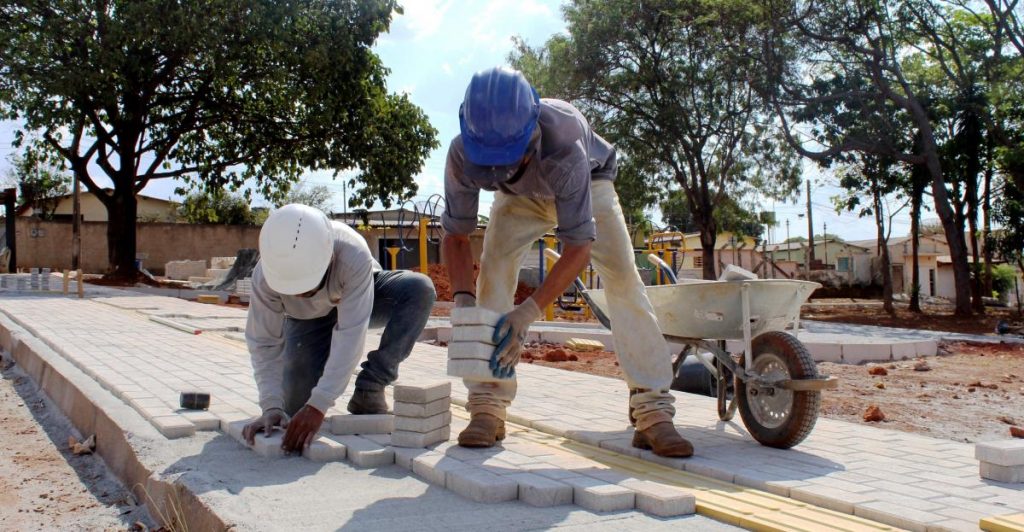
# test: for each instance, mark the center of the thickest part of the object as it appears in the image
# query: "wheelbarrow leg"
(726, 407)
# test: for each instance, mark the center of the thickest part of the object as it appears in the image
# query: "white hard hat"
(296, 246)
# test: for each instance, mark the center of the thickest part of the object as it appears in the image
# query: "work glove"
(302, 429)
(272, 417)
(509, 336)
(464, 299)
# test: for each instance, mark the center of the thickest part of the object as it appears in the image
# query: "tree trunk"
(915, 244)
(986, 232)
(708, 237)
(954, 237)
(886, 267)
(121, 245)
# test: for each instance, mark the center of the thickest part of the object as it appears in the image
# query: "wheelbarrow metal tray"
(714, 309)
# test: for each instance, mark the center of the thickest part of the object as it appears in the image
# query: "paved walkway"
(890, 477)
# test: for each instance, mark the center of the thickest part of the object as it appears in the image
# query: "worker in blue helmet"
(549, 171)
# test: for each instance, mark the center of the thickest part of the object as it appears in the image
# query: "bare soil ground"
(933, 317)
(974, 392)
(43, 486)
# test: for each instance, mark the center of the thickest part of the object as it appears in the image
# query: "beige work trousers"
(517, 222)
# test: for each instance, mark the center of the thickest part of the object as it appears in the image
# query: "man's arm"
(574, 258)
(264, 335)
(457, 256)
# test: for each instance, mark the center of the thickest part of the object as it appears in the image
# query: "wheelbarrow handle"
(656, 261)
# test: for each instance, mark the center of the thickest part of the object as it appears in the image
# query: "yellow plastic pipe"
(394, 257)
(423, 244)
(549, 311)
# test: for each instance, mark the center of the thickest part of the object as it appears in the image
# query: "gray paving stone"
(203, 420)
(540, 491)
(402, 438)
(269, 447)
(423, 424)
(1008, 474)
(470, 351)
(426, 393)
(173, 426)
(857, 353)
(348, 424)
(324, 449)
(599, 496)
(402, 408)
(471, 369)
(434, 467)
(365, 453)
(1002, 453)
(482, 486)
(473, 333)
(661, 500)
(474, 316)
(405, 455)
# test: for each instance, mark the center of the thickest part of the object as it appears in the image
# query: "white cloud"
(423, 18)
(446, 68)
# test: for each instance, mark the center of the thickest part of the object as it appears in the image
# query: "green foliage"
(729, 216)
(218, 207)
(1002, 278)
(40, 184)
(313, 195)
(214, 92)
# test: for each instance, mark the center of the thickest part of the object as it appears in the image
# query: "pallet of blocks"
(422, 415)
(469, 353)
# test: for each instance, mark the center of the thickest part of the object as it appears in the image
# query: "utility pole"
(10, 199)
(76, 228)
(344, 199)
(789, 250)
(810, 229)
(824, 230)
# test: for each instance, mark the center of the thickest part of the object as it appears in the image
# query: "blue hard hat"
(497, 117)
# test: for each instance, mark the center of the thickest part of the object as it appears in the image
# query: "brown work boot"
(484, 430)
(367, 402)
(664, 440)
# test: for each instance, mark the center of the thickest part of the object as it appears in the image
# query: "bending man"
(316, 289)
(548, 169)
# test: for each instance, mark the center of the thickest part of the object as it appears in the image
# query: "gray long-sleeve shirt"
(568, 155)
(349, 287)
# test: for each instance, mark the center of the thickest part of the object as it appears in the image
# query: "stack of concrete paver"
(422, 415)
(1002, 461)
(472, 345)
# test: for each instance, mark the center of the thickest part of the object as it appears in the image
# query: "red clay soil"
(439, 275)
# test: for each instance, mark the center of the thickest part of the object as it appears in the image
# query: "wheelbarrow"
(774, 380)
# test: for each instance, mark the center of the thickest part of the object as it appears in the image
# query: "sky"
(435, 47)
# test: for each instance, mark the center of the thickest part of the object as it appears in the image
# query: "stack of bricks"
(422, 415)
(469, 353)
(1002, 461)
(34, 278)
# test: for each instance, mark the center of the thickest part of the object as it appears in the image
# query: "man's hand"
(273, 417)
(509, 335)
(302, 429)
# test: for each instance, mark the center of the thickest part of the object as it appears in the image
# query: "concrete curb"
(92, 410)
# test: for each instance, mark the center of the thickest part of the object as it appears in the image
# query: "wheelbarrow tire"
(796, 423)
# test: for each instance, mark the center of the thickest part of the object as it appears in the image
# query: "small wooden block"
(208, 298)
(583, 344)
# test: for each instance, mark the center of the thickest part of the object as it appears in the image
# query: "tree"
(213, 92)
(667, 81)
(313, 195)
(729, 216)
(40, 184)
(218, 207)
(836, 67)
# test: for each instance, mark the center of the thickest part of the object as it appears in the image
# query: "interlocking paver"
(1003, 452)
(366, 453)
(347, 424)
(661, 500)
(474, 316)
(403, 438)
(483, 334)
(600, 496)
(434, 467)
(423, 424)
(1009, 474)
(325, 449)
(470, 351)
(540, 491)
(402, 408)
(481, 486)
(425, 393)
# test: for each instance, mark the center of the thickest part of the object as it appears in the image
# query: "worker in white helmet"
(548, 170)
(316, 290)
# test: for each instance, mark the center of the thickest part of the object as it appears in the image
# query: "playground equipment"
(774, 380)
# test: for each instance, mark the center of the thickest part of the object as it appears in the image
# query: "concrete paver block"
(402, 438)
(173, 426)
(927, 348)
(405, 455)
(181, 270)
(203, 420)
(825, 352)
(482, 486)
(234, 428)
(599, 496)
(471, 369)
(903, 350)
(324, 449)
(999, 473)
(473, 333)
(856, 353)
(269, 447)
(401, 408)
(474, 316)
(661, 500)
(346, 424)
(422, 394)
(1003, 452)
(423, 424)
(434, 467)
(365, 453)
(470, 351)
(539, 491)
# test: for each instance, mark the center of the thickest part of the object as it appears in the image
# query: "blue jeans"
(401, 304)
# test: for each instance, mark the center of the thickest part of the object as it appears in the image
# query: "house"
(150, 209)
(686, 254)
(849, 260)
(394, 235)
(934, 264)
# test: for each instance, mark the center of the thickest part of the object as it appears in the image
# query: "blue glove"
(510, 335)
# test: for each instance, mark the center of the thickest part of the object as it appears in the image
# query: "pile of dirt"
(438, 274)
(560, 356)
